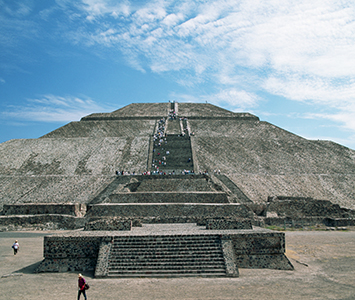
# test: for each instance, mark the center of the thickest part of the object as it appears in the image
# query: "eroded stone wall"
(77, 209)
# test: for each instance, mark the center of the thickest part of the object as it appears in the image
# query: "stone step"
(130, 243)
(208, 237)
(169, 270)
(161, 258)
(161, 253)
(218, 268)
(180, 153)
(143, 260)
(166, 255)
(160, 273)
(170, 265)
(142, 244)
(164, 245)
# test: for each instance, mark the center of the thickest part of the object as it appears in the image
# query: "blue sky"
(291, 63)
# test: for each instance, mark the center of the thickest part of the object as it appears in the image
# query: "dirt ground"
(324, 264)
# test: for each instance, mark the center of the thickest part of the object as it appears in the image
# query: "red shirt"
(82, 283)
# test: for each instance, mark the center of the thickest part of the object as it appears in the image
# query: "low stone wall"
(101, 269)
(48, 222)
(73, 209)
(109, 224)
(261, 250)
(173, 183)
(294, 222)
(169, 197)
(225, 224)
(167, 210)
(298, 207)
(338, 222)
(73, 253)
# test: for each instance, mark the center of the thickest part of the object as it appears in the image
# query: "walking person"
(81, 283)
(15, 246)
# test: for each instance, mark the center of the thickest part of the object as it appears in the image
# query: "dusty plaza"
(323, 261)
(176, 201)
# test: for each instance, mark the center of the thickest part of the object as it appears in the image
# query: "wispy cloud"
(52, 108)
(344, 117)
(284, 38)
(235, 99)
(301, 50)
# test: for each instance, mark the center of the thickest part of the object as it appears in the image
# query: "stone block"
(268, 261)
(73, 209)
(266, 243)
(225, 224)
(109, 224)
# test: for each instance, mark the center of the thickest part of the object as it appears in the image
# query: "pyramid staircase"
(166, 256)
(180, 157)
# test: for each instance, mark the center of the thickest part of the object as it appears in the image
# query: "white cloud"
(302, 50)
(99, 8)
(232, 98)
(17, 9)
(52, 108)
(2, 80)
(324, 91)
(303, 38)
(343, 117)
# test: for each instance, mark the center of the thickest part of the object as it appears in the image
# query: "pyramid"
(75, 162)
(128, 176)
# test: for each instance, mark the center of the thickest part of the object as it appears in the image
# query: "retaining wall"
(170, 210)
(169, 197)
(223, 224)
(297, 207)
(69, 253)
(73, 209)
(49, 222)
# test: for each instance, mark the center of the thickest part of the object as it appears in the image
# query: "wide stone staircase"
(166, 256)
(179, 157)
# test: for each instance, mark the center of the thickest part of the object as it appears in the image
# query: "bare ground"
(324, 264)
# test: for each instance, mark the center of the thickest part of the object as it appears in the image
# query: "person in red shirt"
(81, 283)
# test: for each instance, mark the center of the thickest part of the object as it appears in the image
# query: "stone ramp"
(242, 198)
(110, 188)
(166, 256)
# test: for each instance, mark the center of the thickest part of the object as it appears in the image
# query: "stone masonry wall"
(297, 207)
(44, 208)
(169, 197)
(166, 210)
(47, 222)
(62, 254)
